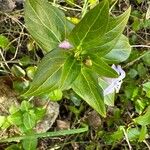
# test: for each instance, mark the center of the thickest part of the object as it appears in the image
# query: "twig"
(69, 8)
(133, 61)
(85, 7)
(136, 46)
(9, 61)
(56, 5)
(18, 45)
(3, 58)
(112, 6)
(127, 140)
(5, 71)
(146, 143)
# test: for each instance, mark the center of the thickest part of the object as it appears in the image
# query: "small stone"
(63, 124)
(94, 119)
(52, 112)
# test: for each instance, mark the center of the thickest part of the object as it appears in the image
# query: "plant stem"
(144, 46)
(133, 61)
(126, 137)
(147, 144)
(85, 7)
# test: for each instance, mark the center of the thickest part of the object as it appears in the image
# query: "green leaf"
(140, 105)
(145, 119)
(142, 70)
(15, 118)
(25, 106)
(93, 26)
(48, 73)
(106, 43)
(6, 125)
(93, 3)
(30, 143)
(29, 120)
(143, 134)
(20, 86)
(131, 90)
(18, 71)
(46, 23)
(139, 1)
(58, 69)
(146, 88)
(132, 73)
(75, 110)
(71, 2)
(70, 71)
(86, 86)
(25, 61)
(31, 45)
(56, 95)
(23, 129)
(120, 52)
(137, 24)
(3, 42)
(40, 113)
(118, 135)
(103, 69)
(133, 133)
(13, 147)
(31, 71)
(146, 59)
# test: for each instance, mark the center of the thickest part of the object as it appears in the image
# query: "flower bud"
(88, 62)
(65, 45)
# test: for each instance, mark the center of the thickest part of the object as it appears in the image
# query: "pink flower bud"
(65, 45)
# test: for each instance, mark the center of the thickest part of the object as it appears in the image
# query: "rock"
(94, 119)
(50, 117)
(63, 124)
(7, 97)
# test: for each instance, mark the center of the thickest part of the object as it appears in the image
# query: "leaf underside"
(120, 52)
